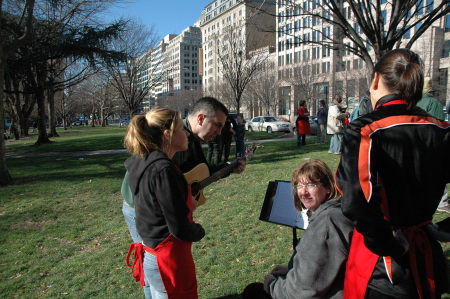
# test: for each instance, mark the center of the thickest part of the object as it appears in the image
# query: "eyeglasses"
(310, 187)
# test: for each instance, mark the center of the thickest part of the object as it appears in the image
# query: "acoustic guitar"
(199, 176)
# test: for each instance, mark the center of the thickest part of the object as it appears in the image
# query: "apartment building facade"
(312, 71)
(228, 24)
(180, 62)
(172, 67)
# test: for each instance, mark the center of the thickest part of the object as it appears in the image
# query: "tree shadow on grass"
(70, 169)
(277, 152)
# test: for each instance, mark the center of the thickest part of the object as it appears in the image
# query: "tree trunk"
(5, 176)
(51, 113)
(102, 117)
(40, 98)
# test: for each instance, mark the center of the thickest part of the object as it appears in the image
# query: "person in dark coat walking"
(322, 114)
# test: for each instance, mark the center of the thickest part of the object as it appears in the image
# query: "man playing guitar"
(204, 123)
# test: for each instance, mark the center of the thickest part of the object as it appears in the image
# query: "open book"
(279, 208)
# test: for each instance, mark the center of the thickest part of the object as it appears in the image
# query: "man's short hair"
(208, 106)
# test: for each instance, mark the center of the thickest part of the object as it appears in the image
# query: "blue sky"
(168, 16)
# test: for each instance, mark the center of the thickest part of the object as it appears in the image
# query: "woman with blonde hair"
(163, 262)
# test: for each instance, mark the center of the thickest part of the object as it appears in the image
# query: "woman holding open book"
(318, 266)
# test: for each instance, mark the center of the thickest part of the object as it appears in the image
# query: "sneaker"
(445, 209)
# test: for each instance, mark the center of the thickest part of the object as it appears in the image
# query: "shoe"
(445, 209)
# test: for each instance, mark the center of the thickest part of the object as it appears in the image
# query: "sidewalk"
(117, 151)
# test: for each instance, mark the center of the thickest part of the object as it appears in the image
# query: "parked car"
(77, 123)
(268, 124)
(312, 123)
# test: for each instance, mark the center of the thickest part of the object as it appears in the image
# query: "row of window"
(317, 34)
(188, 61)
(306, 38)
(319, 68)
(187, 54)
(305, 55)
(187, 48)
(217, 25)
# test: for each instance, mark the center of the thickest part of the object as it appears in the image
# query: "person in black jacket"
(393, 169)
(163, 203)
(204, 122)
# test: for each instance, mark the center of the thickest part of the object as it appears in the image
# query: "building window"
(419, 7)
(430, 5)
(447, 22)
(384, 16)
(417, 27)
(407, 34)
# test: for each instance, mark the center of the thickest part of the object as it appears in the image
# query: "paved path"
(119, 151)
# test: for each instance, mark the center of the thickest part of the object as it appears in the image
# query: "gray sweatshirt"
(319, 265)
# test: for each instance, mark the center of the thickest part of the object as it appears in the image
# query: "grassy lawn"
(97, 138)
(63, 235)
(75, 139)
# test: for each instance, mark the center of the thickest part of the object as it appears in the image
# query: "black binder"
(279, 208)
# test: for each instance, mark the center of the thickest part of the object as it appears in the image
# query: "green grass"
(71, 140)
(97, 138)
(63, 235)
(263, 135)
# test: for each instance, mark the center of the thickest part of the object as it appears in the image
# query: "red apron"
(175, 263)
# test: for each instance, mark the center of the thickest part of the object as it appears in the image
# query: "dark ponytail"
(402, 72)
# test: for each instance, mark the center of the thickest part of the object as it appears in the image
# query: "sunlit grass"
(62, 232)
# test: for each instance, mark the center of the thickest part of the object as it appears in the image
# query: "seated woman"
(318, 267)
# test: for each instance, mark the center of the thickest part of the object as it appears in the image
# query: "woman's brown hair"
(145, 131)
(402, 72)
(315, 171)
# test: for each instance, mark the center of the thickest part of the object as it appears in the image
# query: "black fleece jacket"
(160, 195)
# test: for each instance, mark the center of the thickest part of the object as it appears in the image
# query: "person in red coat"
(302, 124)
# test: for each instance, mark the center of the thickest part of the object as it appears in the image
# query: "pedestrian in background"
(239, 135)
(214, 154)
(364, 107)
(302, 124)
(429, 103)
(227, 137)
(335, 125)
(322, 114)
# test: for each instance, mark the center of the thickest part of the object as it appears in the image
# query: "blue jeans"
(129, 214)
(336, 144)
(154, 286)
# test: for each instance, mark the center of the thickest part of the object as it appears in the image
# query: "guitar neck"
(221, 173)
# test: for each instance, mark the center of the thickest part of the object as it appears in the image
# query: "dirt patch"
(27, 224)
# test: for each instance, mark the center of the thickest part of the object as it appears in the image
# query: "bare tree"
(180, 101)
(261, 94)
(223, 91)
(367, 24)
(237, 67)
(134, 77)
(8, 45)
